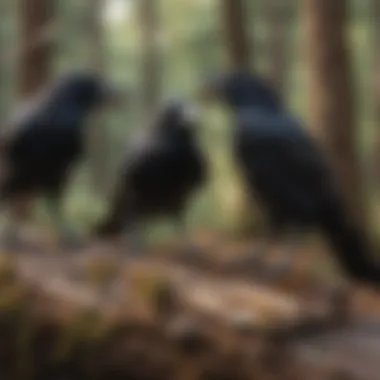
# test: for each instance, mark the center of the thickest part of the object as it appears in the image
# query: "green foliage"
(192, 47)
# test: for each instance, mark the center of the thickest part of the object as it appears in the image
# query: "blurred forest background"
(88, 316)
(323, 56)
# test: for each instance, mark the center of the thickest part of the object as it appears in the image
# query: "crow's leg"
(17, 211)
(69, 238)
(190, 252)
(131, 239)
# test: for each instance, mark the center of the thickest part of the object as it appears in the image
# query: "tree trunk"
(35, 65)
(97, 137)
(238, 207)
(151, 57)
(3, 14)
(331, 101)
(236, 38)
(95, 35)
(375, 38)
(278, 17)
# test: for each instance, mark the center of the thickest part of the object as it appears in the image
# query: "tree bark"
(239, 209)
(97, 136)
(236, 38)
(331, 101)
(35, 62)
(278, 16)
(3, 13)
(375, 38)
(151, 57)
(95, 37)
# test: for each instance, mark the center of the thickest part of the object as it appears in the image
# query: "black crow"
(287, 171)
(162, 170)
(43, 142)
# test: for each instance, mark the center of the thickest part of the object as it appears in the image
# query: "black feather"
(290, 174)
(160, 173)
(44, 141)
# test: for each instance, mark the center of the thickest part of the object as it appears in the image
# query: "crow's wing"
(284, 163)
(23, 116)
(39, 131)
(144, 161)
(154, 160)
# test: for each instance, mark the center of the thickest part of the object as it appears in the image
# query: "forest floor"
(95, 313)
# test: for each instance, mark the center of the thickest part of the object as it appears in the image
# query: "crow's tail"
(350, 245)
